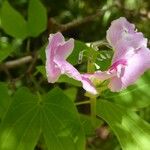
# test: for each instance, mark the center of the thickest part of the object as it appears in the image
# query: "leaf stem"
(82, 103)
(93, 109)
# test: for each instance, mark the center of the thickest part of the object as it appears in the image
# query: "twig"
(77, 22)
(17, 62)
(33, 63)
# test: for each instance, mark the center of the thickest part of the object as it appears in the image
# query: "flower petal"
(137, 65)
(118, 26)
(69, 70)
(65, 49)
(122, 35)
(53, 72)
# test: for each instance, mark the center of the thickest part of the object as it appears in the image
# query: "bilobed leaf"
(135, 96)
(61, 127)
(20, 128)
(132, 132)
(13, 22)
(37, 18)
(53, 115)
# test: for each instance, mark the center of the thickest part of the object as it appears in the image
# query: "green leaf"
(5, 50)
(41, 69)
(53, 115)
(132, 132)
(66, 79)
(42, 53)
(79, 47)
(37, 18)
(61, 127)
(104, 58)
(12, 21)
(135, 96)
(71, 93)
(4, 99)
(88, 126)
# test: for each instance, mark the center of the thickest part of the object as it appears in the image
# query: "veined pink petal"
(128, 45)
(69, 70)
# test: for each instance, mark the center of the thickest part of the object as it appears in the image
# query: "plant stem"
(93, 110)
(91, 69)
(82, 103)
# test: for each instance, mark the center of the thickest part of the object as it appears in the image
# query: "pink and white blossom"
(57, 52)
(131, 55)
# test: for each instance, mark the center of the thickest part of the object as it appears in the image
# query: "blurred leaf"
(132, 4)
(87, 124)
(71, 93)
(29, 115)
(37, 18)
(88, 127)
(135, 96)
(4, 99)
(42, 53)
(132, 132)
(5, 50)
(12, 21)
(41, 69)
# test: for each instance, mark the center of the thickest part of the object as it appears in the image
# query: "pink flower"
(131, 55)
(57, 52)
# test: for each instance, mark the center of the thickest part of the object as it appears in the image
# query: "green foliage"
(135, 96)
(53, 115)
(79, 47)
(12, 22)
(5, 50)
(37, 18)
(4, 99)
(59, 119)
(15, 25)
(132, 132)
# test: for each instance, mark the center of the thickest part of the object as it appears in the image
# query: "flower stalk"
(91, 69)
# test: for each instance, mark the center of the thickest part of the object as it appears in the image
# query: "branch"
(17, 62)
(77, 22)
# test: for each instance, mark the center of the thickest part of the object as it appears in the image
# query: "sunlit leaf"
(135, 96)
(132, 132)
(53, 115)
